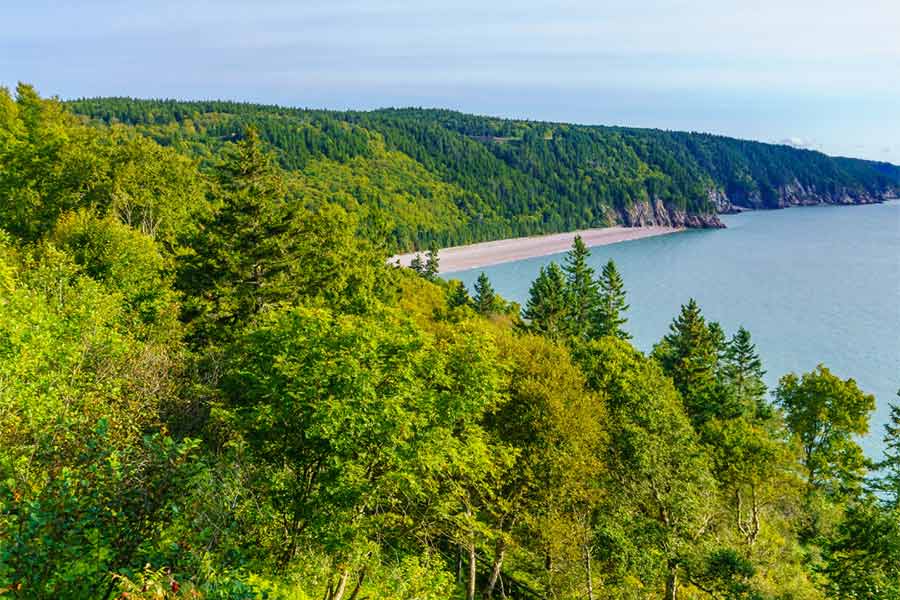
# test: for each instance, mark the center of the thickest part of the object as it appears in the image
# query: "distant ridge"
(450, 178)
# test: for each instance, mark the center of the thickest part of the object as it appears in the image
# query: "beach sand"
(483, 254)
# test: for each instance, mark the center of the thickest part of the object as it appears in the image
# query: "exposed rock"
(643, 214)
(720, 200)
(795, 193)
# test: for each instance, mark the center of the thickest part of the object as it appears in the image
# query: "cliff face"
(643, 214)
(796, 194)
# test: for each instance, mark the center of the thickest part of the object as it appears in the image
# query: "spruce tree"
(485, 300)
(889, 482)
(245, 256)
(689, 355)
(547, 308)
(432, 263)
(417, 264)
(609, 315)
(743, 372)
(581, 289)
(459, 295)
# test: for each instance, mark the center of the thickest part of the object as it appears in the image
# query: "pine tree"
(459, 295)
(547, 308)
(432, 263)
(609, 316)
(743, 372)
(485, 298)
(581, 289)
(889, 482)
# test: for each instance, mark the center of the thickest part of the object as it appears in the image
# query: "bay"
(813, 285)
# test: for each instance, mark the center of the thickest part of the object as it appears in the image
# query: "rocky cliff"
(643, 214)
(796, 194)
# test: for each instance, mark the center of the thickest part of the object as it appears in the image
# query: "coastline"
(484, 254)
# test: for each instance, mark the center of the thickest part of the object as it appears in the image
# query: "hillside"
(449, 178)
(208, 392)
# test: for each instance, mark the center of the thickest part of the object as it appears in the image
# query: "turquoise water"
(813, 285)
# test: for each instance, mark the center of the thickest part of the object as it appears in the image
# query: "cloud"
(799, 142)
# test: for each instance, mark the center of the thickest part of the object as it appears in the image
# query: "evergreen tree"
(432, 263)
(246, 251)
(458, 295)
(485, 298)
(417, 264)
(889, 482)
(581, 289)
(609, 318)
(547, 309)
(689, 355)
(743, 372)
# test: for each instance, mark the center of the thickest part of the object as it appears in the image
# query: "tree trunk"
(470, 586)
(495, 569)
(672, 584)
(359, 582)
(587, 572)
(342, 585)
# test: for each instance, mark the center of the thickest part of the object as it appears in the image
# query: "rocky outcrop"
(795, 193)
(644, 214)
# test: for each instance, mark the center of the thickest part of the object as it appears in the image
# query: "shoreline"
(485, 254)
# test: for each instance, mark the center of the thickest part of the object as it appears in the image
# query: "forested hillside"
(437, 176)
(211, 390)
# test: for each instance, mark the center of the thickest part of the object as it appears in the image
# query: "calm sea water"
(813, 285)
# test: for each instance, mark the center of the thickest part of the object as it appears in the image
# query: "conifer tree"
(581, 289)
(547, 309)
(432, 263)
(689, 355)
(417, 264)
(743, 371)
(609, 316)
(889, 482)
(459, 295)
(485, 298)
(243, 259)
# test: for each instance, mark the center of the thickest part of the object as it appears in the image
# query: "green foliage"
(458, 295)
(863, 560)
(661, 488)
(581, 290)
(889, 481)
(546, 311)
(451, 178)
(743, 371)
(609, 316)
(127, 262)
(825, 413)
(432, 263)
(689, 353)
(217, 271)
(259, 250)
(485, 300)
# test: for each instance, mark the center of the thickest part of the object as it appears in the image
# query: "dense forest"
(446, 178)
(210, 388)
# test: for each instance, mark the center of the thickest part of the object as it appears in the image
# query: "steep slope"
(440, 176)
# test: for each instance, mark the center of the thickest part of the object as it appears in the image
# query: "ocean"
(812, 285)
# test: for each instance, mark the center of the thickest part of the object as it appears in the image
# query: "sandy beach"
(483, 254)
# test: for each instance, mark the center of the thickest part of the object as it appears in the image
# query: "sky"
(822, 74)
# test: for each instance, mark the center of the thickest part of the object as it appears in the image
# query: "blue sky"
(817, 73)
